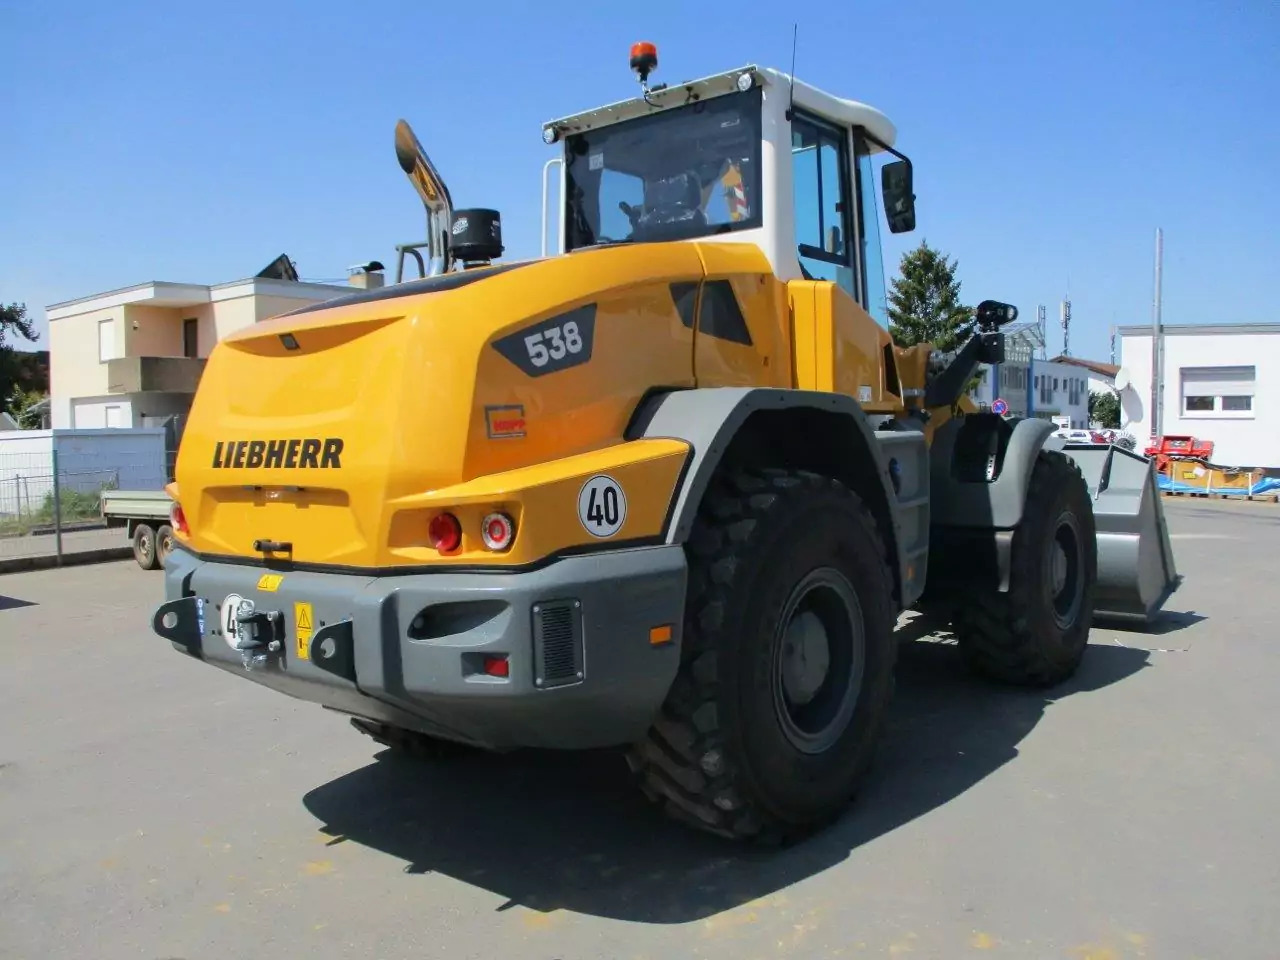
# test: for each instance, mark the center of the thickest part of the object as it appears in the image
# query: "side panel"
(847, 346)
(709, 419)
(743, 322)
(906, 453)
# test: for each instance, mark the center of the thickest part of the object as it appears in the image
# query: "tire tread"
(684, 760)
(996, 630)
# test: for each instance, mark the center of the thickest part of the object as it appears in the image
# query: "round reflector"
(498, 531)
(445, 532)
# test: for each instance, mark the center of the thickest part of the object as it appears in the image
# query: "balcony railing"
(144, 374)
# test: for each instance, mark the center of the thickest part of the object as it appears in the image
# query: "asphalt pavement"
(152, 807)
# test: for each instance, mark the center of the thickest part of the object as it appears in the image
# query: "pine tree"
(924, 305)
(13, 321)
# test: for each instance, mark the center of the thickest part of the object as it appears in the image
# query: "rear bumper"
(409, 650)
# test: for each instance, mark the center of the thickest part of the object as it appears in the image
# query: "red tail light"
(445, 532)
(178, 519)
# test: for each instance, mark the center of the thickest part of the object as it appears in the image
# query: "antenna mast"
(1066, 327)
(1157, 351)
(791, 103)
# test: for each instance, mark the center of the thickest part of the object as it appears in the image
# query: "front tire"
(1037, 632)
(787, 665)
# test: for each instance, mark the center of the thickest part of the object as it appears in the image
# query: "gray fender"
(996, 505)
(709, 418)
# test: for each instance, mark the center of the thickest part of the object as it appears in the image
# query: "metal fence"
(50, 493)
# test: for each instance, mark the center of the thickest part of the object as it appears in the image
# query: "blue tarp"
(1259, 486)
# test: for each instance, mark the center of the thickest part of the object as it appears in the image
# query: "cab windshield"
(688, 171)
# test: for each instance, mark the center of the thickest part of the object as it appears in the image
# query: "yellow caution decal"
(302, 621)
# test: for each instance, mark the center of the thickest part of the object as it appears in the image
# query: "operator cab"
(744, 156)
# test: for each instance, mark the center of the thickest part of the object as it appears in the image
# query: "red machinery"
(1167, 448)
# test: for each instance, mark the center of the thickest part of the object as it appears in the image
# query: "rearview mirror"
(899, 198)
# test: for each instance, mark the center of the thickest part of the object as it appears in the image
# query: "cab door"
(824, 213)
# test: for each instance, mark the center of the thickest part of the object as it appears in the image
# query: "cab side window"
(820, 160)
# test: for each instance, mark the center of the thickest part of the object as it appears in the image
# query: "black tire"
(1036, 633)
(746, 746)
(144, 546)
(410, 743)
(164, 544)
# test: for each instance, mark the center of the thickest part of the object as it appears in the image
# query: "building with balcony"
(131, 357)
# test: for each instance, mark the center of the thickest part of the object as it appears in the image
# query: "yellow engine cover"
(343, 429)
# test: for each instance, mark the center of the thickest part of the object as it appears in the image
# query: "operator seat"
(672, 209)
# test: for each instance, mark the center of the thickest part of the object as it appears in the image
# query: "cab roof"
(807, 97)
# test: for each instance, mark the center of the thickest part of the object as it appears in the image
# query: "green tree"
(20, 407)
(924, 304)
(1104, 410)
(13, 322)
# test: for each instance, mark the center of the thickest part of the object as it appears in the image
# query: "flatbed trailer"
(144, 514)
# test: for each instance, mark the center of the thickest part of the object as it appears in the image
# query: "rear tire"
(144, 546)
(164, 544)
(787, 660)
(1037, 632)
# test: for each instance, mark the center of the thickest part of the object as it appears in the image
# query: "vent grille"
(557, 642)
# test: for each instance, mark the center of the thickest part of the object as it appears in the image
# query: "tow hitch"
(254, 633)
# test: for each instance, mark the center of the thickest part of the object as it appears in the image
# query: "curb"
(50, 562)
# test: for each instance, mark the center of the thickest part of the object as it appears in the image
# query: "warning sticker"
(302, 620)
(595, 161)
(270, 582)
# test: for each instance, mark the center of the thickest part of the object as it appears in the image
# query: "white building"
(1100, 377)
(1039, 388)
(1219, 383)
(121, 358)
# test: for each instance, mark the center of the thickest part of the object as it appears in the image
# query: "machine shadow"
(550, 831)
(1165, 622)
(13, 603)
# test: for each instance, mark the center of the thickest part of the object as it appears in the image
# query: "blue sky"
(162, 141)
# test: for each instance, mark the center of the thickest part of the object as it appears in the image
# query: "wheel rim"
(1063, 581)
(819, 653)
(166, 545)
(146, 546)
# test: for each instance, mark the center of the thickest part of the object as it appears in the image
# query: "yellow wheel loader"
(667, 489)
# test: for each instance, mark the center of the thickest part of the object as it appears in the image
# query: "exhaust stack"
(430, 186)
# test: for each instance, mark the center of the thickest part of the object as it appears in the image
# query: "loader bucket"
(1136, 572)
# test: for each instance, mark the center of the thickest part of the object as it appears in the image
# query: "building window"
(106, 340)
(190, 328)
(1218, 391)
